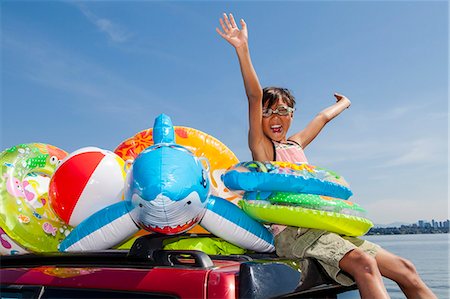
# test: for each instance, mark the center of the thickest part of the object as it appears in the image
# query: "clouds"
(115, 32)
(420, 151)
(56, 67)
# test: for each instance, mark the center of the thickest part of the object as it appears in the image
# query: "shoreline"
(405, 230)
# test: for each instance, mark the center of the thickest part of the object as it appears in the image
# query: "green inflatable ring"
(310, 201)
(26, 216)
(301, 217)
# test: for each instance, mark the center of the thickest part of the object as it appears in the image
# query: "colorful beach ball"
(86, 181)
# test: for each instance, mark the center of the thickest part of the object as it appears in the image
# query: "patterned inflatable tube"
(286, 177)
(309, 201)
(26, 217)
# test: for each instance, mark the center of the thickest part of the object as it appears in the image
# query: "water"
(428, 252)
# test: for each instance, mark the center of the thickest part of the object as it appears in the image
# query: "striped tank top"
(290, 151)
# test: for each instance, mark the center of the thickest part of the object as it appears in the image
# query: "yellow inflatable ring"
(26, 216)
(297, 216)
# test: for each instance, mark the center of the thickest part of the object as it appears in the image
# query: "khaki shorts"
(328, 248)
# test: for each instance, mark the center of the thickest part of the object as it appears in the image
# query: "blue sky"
(76, 74)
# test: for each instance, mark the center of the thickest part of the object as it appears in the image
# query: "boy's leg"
(341, 257)
(364, 270)
(403, 273)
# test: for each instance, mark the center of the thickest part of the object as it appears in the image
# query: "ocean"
(428, 252)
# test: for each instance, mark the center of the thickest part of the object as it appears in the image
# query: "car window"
(29, 292)
(20, 292)
(57, 293)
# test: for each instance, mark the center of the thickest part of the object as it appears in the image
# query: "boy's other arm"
(313, 129)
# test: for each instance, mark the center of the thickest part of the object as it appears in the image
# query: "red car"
(146, 271)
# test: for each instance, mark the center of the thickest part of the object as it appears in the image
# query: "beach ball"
(86, 181)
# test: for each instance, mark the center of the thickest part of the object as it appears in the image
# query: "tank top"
(291, 152)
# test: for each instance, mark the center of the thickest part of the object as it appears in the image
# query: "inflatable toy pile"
(93, 199)
(165, 180)
(297, 195)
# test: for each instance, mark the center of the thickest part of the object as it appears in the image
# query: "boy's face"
(276, 126)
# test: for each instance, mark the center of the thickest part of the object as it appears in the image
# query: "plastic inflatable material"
(88, 180)
(286, 177)
(209, 245)
(8, 246)
(168, 188)
(309, 201)
(102, 230)
(227, 221)
(167, 191)
(199, 143)
(302, 217)
(27, 220)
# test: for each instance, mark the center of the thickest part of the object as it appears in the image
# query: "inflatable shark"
(167, 192)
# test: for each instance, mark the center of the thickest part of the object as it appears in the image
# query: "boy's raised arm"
(238, 38)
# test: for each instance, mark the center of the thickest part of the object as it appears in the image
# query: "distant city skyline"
(419, 222)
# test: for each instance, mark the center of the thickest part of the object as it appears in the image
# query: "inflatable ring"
(26, 216)
(286, 177)
(309, 201)
(201, 145)
(8, 246)
(297, 216)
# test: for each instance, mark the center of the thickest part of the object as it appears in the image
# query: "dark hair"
(272, 94)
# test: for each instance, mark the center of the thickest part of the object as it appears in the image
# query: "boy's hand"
(343, 99)
(231, 32)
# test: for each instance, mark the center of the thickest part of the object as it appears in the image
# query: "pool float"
(167, 191)
(309, 201)
(286, 177)
(220, 158)
(291, 215)
(8, 246)
(297, 194)
(26, 217)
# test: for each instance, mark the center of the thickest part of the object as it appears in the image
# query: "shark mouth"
(166, 216)
(173, 230)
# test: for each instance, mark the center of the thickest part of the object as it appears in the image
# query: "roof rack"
(145, 252)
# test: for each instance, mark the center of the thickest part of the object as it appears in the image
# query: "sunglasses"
(281, 110)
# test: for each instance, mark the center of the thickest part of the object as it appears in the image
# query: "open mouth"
(173, 230)
(276, 128)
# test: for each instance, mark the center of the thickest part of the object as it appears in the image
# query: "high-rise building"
(447, 223)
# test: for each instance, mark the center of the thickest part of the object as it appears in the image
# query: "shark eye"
(189, 202)
(204, 181)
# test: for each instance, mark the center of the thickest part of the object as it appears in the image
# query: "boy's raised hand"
(231, 32)
(343, 99)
